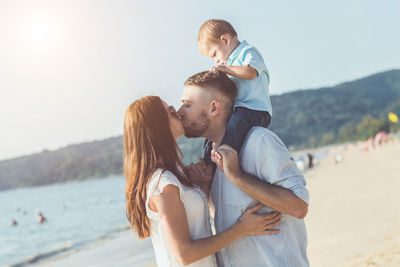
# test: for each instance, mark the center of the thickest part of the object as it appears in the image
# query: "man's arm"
(273, 196)
(246, 72)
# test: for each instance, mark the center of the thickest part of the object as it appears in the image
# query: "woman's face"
(175, 123)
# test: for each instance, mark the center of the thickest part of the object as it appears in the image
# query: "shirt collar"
(236, 52)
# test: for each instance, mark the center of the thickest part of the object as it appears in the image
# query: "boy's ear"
(215, 108)
(226, 39)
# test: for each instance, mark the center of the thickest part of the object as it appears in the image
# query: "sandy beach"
(354, 215)
(353, 220)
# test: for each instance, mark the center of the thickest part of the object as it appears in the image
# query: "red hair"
(148, 145)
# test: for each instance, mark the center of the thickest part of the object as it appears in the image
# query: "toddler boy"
(218, 40)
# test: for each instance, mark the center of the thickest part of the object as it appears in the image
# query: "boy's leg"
(267, 119)
(237, 128)
(259, 118)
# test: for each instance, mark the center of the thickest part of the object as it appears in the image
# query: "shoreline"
(70, 249)
(123, 249)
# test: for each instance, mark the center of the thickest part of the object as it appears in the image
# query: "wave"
(69, 248)
(41, 256)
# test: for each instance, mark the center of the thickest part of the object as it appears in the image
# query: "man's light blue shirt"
(252, 94)
(266, 157)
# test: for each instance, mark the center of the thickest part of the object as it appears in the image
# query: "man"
(268, 175)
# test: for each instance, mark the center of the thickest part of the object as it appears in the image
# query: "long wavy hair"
(148, 145)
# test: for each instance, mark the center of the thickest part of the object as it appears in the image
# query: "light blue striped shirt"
(252, 94)
(266, 157)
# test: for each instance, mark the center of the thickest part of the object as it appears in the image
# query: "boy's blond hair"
(211, 31)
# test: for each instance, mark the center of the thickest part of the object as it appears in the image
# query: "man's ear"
(215, 108)
(226, 39)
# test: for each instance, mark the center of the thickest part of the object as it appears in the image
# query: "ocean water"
(77, 214)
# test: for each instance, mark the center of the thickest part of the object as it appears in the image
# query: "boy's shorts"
(237, 128)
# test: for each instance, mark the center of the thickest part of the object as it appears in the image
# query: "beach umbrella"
(393, 117)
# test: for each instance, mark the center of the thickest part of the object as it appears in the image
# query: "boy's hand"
(245, 72)
(220, 68)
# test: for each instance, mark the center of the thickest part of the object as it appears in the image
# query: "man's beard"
(197, 128)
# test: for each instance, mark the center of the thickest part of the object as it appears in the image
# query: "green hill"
(75, 162)
(302, 119)
(307, 115)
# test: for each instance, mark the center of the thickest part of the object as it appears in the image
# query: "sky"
(69, 69)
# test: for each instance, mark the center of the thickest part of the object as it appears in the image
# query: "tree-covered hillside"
(348, 111)
(302, 118)
(75, 162)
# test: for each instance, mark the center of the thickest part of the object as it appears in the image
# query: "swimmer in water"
(41, 218)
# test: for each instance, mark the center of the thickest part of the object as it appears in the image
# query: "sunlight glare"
(39, 32)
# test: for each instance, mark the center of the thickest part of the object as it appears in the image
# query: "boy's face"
(219, 52)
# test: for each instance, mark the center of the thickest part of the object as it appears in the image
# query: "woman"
(162, 202)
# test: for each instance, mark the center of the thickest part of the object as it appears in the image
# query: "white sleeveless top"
(198, 217)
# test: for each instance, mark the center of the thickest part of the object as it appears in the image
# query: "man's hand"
(217, 158)
(230, 161)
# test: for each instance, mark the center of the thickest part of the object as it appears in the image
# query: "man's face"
(194, 111)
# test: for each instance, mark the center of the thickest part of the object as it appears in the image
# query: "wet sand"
(124, 250)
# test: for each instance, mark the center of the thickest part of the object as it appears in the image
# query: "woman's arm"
(175, 226)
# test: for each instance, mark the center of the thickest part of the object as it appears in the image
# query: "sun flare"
(39, 32)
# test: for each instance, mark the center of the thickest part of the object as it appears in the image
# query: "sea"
(77, 214)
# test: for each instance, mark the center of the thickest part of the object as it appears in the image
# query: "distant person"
(41, 218)
(163, 203)
(337, 159)
(365, 146)
(14, 222)
(245, 65)
(380, 138)
(371, 143)
(310, 160)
